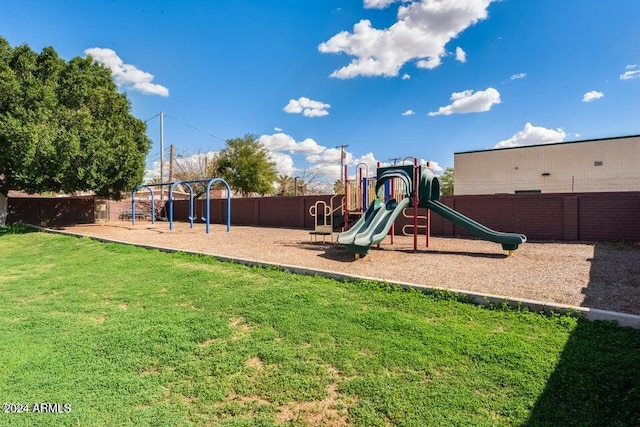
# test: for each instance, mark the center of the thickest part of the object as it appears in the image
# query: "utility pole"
(394, 160)
(171, 163)
(161, 154)
(342, 147)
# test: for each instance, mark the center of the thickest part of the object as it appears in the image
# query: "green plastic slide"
(373, 227)
(509, 241)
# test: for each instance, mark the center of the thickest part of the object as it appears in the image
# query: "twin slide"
(373, 227)
(375, 224)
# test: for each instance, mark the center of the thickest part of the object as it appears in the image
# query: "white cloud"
(126, 74)
(592, 96)
(433, 165)
(408, 113)
(152, 174)
(321, 160)
(284, 163)
(308, 146)
(278, 142)
(306, 106)
(406, 76)
(277, 129)
(533, 135)
(377, 4)
(368, 159)
(461, 55)
(470, 102)
(284, 142)
(421, 33)
(632, 72)
(330, 156)
(518, 76)
(332, 171)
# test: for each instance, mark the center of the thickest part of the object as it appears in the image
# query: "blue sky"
(387, 78)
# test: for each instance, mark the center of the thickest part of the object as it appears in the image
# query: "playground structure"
(172, 185)
(353, 203)
(406, 186)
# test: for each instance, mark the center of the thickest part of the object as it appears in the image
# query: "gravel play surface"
(596, 275)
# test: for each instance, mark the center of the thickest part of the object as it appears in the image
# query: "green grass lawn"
(128, 336)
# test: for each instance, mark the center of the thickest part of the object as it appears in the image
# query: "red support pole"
(416, 187)
(361, 190)
(428, 229)
(346, 198)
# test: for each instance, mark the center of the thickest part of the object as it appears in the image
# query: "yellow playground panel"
(323, 218)
(359, 200)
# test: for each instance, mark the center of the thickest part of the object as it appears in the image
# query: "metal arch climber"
(153, 206)
(209, 181)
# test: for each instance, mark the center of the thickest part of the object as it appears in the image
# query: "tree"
(313, 182)
(246, 167)
(284, 184)
(194, 167)
(64, 127)
(446, 182)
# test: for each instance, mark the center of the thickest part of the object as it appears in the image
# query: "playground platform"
(595, 275)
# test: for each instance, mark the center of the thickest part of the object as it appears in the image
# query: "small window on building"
(597, 163)
(528, 191)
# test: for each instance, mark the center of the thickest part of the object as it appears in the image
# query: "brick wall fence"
(557, 216)
(550, 216)
(51, 211)
(290, 212)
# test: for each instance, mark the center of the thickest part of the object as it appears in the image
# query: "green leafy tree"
(246, 166)
(446, 182)
(64, 127)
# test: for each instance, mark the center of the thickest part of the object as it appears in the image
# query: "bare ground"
(596, 275)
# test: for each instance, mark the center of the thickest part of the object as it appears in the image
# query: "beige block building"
(611, 164)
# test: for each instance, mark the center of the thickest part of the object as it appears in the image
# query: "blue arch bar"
(209, 181)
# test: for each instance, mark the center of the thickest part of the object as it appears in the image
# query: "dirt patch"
(255, 363)
(326, 412)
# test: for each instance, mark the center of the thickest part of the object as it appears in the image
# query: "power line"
(195, 128)
(151, 118)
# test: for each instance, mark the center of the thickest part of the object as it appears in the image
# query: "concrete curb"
(622, 319)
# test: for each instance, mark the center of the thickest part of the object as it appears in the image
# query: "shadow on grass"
(597, 379)
(16, 229)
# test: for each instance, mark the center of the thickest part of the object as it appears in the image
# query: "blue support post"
(173, 184)
(212, 181)
(133, 206)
